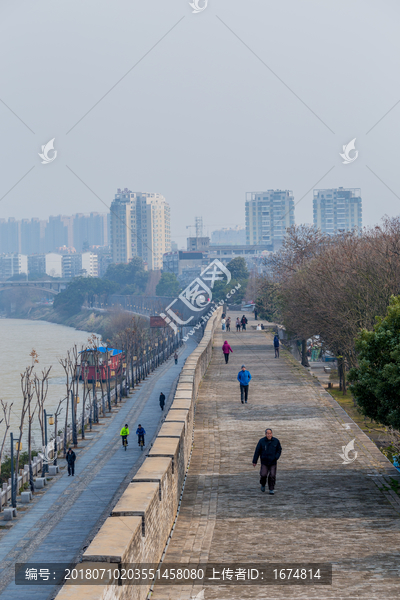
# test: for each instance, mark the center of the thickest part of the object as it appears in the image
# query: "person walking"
(255, 314)
(244, 378)
(276, 345)
(70, 457)
(176, 357)
(244, 322)
(238, 325)
(228, 324)
(226, 349)
(269, 450)
(223, 324)
(162, 401)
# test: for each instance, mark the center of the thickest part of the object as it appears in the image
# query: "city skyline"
(288, 134)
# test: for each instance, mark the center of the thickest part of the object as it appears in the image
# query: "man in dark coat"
(276, 345)
(162, 401)
(71, 458)
(269, 450)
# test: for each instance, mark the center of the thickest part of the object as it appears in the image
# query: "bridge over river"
(52, 287)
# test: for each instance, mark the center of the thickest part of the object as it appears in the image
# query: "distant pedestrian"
(269, 450)
(176, 357)
(162, 401)
(223, 324)
(244, 378)
(70, 457)
(276, 345)
(238, 324)
(244, 322)
(228, 324)
(226, 349)
(255, 314)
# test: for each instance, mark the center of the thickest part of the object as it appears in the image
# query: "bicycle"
(125, 442)
(141, 442)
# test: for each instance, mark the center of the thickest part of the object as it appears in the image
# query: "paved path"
(68, 515)
(322, 510)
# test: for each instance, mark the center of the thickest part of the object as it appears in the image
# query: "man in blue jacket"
(244, 379)
(269, 450)
(276, 345)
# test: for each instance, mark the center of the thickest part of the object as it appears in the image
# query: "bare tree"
(7, 414)
(70, 365)
(27, 388)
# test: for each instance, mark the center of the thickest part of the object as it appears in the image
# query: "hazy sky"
(244, 96)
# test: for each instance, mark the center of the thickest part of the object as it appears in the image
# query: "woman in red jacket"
(226, 349)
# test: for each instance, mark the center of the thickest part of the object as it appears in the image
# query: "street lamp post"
(108, 386)
(14, 484)
(51, 422)
(74, 432)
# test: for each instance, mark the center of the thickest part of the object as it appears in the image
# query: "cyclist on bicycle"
(140, 432)
(124, 434)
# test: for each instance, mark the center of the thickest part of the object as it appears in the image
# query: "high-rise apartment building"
(89, 230)
(337, 209)
(32, 233)
(268, 215)
(59, 232)
(10, 236)
(140, 226)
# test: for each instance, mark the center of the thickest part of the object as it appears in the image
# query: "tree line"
(340, 288)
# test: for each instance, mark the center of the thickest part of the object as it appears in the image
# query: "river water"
(51, 342)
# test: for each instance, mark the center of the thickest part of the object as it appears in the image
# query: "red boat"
(108, 362)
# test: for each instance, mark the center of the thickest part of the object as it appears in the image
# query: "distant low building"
(13, 264)
(229, 236)
(181, 260)
(251, 254)
(198, 243)
(81, 264)
(50, 264)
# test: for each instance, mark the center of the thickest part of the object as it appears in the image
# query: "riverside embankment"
(85, 320)
(141, 520)
(64, 521)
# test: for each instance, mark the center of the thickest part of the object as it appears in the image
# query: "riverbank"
(85, 320)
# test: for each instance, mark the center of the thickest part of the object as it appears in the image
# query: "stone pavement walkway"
(68, 515)
(322, 510)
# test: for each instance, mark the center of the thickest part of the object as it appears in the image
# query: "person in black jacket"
(70, 457)
(162, 401)
(269, 450)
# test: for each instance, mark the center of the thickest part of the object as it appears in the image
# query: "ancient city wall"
(141, 522)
